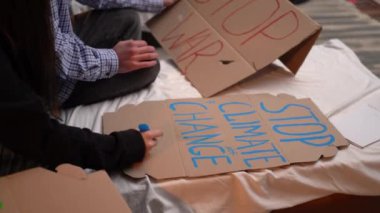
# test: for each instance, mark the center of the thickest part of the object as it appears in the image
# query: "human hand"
(134, 55)
(150, 138)
(169, 2)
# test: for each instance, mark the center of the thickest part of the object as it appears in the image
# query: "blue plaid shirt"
(77, 61)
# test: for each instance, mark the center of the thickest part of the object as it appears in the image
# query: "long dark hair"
(28, 27)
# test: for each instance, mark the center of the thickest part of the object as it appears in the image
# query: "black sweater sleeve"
(27, 129)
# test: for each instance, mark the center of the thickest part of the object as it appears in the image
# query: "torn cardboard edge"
(229, 41)
(70, 189)
(227, 134)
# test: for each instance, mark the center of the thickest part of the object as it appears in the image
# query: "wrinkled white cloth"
(332, 76)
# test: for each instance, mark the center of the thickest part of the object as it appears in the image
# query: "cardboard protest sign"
(69, 190)
(230, 133)
(217, 43)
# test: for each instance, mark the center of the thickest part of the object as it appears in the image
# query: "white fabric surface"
(332, 76)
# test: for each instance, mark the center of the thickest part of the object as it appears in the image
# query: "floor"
(362, 34)
(337, 203)
(369, 7)
(349, 21)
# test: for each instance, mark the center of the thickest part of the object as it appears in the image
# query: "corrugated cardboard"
(217, 43)
(67, 191)
(226, 134)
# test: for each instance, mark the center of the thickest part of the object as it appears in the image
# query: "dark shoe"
(298, 1)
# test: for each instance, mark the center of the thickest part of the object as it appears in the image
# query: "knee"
(128, 18)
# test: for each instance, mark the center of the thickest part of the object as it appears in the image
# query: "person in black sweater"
(28, 101)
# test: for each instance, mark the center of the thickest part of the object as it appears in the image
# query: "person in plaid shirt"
(103, 43)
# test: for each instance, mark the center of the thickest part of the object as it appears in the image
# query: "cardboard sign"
(69, 190)
(226, 134)
(217, 43)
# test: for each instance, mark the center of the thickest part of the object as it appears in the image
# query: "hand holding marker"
(149, 135)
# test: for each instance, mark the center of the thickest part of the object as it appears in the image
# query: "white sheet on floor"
(332, 76)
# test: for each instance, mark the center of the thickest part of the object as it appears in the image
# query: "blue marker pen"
(143, 127)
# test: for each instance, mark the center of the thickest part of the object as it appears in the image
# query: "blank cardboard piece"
(69, 190)
(226, 134)
(217, 43)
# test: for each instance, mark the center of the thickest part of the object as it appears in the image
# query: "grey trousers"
(103, 29)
